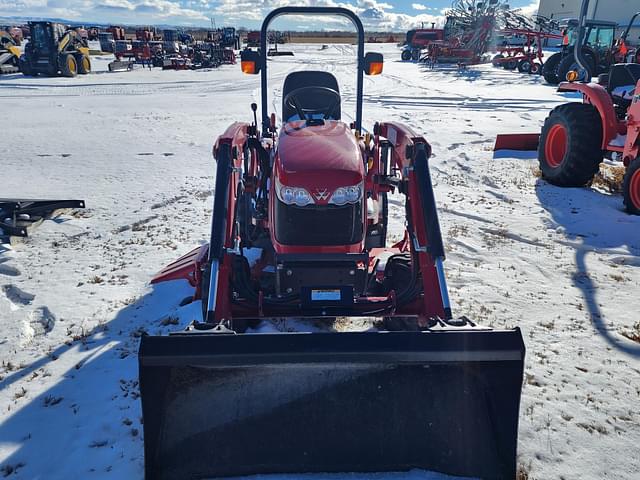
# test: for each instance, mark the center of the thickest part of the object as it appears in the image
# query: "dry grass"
(458, 230)
(610, 178)
(523, 472)
(633, 334)
(536, 172)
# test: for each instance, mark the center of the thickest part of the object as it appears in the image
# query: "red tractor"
(419, 39)
(117, 32)
(577, 136)
(253, 39)
(299, 232)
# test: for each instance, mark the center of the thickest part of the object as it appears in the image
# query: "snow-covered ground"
(563, 264)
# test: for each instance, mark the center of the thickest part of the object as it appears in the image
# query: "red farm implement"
(526, 57)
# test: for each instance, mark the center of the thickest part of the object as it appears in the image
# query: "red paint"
(323, 156)
(328, 156)
(598, 96)
(634, 189)
(555, 147)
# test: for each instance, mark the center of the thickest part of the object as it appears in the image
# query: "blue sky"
(382, 15)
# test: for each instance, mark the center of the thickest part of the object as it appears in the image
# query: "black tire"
(535, 69)
(68, 65)
(25, 68)
(495, 59)
(415, 54)
(405, 55)
(510, 65)
(631, 187)
(84, 64)
(569, 63)
(550, 68)
(524, 66)
(570, 149)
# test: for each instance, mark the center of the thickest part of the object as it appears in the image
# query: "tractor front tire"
(569, 63)
(496, 60)
(550, 68)
(631, 187)
(68, 65)
(25, 68)
(84, 64)
(570, 149)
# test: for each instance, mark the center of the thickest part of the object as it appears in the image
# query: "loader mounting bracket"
(19, 217)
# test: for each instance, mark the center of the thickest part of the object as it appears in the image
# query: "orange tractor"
(576, 137)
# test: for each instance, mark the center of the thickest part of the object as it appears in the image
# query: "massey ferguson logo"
(321, 194)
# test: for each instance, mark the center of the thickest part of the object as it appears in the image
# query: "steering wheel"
(292, 100)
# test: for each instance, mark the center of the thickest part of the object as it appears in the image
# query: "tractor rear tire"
(406, 55)
(415, 54)
(550, 68)
(84, 64)
(25, 68)
(510, 65)
(496, 60)
(68, 65)
(570, 149)
(631, 187)
(569, 63)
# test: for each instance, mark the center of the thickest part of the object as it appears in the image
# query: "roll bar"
(311, 11)
(626, 32)
(582, 23)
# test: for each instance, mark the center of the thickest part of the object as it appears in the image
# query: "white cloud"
(532, 8)
(376, 15)
(419, 6)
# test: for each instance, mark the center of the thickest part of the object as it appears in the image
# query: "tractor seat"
(623, 78)
(297, 80)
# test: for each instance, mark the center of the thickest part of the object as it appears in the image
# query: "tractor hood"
(318, 157)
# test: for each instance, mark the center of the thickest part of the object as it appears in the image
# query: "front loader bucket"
(120, 66)
(230, 405)
(517, 141)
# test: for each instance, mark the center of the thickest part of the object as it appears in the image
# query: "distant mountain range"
(74, 23)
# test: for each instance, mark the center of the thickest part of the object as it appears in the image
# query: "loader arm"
(229, 153)
(410, 155)
(72, 41)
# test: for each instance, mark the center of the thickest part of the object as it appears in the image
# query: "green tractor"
(600, 48)
(54, 50)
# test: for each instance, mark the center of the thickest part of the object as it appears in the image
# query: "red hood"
(323, 156)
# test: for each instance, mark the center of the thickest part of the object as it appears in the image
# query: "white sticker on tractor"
(325, 295)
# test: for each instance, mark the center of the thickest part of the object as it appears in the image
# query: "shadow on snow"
(594, 223)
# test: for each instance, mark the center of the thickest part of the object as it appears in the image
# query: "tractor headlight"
(301, 197)
(293, 195)
(343, 195)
